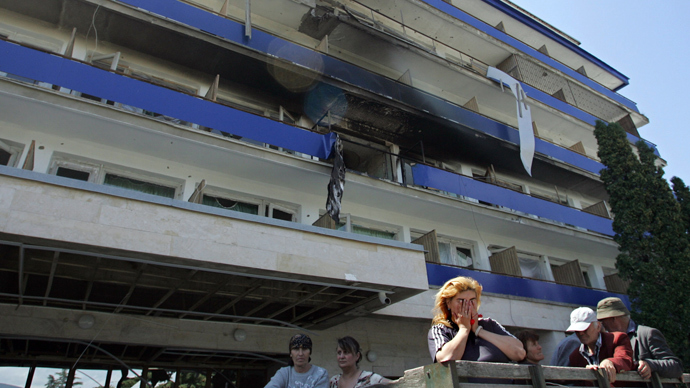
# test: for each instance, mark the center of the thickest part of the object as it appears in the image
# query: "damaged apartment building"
(166, 162)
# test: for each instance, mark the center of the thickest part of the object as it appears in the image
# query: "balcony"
(568, 133)
(141, 254)
(87, 79)
(522, 287)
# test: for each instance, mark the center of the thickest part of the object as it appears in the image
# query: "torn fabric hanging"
(524, 115)
(337, 182)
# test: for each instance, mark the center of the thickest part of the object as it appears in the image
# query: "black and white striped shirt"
(477, 349)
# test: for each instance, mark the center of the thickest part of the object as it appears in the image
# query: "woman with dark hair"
(530, 342)
(349, 354)
(458, 332)
(299, 373)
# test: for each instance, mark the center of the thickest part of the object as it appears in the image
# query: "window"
(444, 250)
(367, 228)
(531, 265)
(224, 203)
(454, 255)
(455, 252)
(553, 196)
(74, 174)
(513, 262)
(69, 167)
(93, 171)
(248, 204)
(138, 185)
(367, 159)
(280, 213)
(10, 153)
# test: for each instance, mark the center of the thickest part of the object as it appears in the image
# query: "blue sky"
(647, 41)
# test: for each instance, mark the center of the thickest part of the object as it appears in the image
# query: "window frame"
(541, 259)
(369, 224)
(98, 170)
(94, 170)
(266, 205)
(14, 149)
(454, 243)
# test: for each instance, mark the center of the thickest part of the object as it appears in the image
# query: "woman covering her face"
(458, 332)
(349, 354)
(299, 373)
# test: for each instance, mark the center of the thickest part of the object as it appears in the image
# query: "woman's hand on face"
(475, 316)
(466, 316)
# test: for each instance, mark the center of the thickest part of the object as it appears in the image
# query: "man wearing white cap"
(650, 350)
(610, 351)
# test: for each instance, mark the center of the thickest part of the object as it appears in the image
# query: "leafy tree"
(651, 225)
(131, 382)
(683, 196)
(61, 380)
(188, 379)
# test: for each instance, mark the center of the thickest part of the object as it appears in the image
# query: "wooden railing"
(469, 374)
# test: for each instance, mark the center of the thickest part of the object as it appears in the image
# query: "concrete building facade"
(165, 167)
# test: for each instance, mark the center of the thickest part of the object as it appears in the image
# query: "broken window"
(69, 167)
(73, 174)
(453, 254)
(139, 185)
(10, 153)
(445, 250)
(367, 228)
(368, 159)
(552, 196)
(518, 263)
(248, 204)
(224, 203)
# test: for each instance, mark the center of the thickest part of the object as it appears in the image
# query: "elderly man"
(650, 350)
(609, 351)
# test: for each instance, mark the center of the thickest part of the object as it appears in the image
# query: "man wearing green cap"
(650, 350)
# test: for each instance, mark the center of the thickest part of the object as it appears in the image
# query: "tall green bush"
(651, 226)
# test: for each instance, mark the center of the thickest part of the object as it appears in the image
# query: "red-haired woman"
(459, 333)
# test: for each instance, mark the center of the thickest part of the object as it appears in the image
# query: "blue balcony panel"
(447, 181)
(522, 287)
(505, 38)
(81, 77)
(354, 75)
